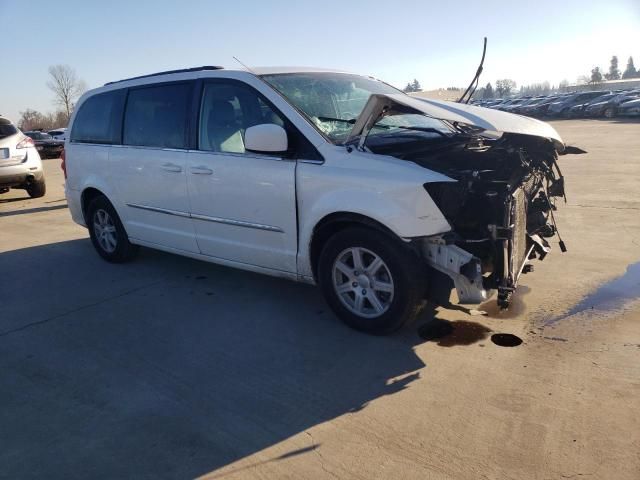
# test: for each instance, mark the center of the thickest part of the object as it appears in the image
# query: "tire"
(107, 233)
(37, 189)
(609, 112)
(390, 296)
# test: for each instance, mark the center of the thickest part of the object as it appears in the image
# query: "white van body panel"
(260, 212)
(276, 203)
(385, 189)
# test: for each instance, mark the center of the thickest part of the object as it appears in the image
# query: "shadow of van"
(169, 367)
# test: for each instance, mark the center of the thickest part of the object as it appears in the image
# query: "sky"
(437, 42)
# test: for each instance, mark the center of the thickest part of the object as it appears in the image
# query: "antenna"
(474, 83)
(237, 60)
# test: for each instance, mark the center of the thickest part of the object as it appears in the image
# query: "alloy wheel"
(105, 230)
(363, 282)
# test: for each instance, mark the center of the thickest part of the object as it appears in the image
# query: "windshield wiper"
(343, 120)
(351, 121)
(404, 127)
(418, 129)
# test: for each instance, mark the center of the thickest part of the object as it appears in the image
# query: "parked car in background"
(533, 109)
(562, 106)
(317, 176)
(20, 165)
(58, 133)
(508, 106)
(47, 146)
(578, 110)
(522, 107)
(630, 108)
(609, 108)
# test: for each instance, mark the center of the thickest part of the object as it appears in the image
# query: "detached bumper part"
(461, 266)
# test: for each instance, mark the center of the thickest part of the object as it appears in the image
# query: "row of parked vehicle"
(49, 144)
(591, 104)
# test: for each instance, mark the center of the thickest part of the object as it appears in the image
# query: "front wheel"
(107, 232)
(371, 281)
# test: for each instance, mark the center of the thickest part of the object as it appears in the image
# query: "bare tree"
(34, 120)
(505, 87)
(66, 86)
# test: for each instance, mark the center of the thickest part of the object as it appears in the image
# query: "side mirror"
(266, 138)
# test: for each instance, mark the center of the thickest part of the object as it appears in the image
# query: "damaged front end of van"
(504, 184)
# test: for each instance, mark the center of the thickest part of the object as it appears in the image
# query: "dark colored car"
(508, 107)
(540, 109)
(630, 108)
(609, 108)
(579, 109)
(523, 107)
(47, 146)
(561, 107)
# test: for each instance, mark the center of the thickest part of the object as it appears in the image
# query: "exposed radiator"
(518, 251)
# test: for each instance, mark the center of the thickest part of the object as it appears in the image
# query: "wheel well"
(332, 224)
(87, 197)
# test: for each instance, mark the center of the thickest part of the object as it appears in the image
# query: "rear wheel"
(609, 112)
(107, 233)
(370, 280)
(37, 189)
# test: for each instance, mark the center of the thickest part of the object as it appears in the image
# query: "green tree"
(596, 75)
(614, 71)
(630, 71)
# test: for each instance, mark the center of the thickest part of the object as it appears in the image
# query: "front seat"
(223, 132)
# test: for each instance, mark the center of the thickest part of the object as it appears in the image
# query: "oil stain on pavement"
(609, 296)
(506, 339)
(448, 334)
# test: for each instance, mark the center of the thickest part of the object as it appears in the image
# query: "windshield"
(333, 101)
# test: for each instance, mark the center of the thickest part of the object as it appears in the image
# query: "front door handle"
(171, 167)
(201, 170)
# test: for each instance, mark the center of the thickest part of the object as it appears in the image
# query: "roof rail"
(182, 70)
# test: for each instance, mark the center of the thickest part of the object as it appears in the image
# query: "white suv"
(20, 164)
(317, 176)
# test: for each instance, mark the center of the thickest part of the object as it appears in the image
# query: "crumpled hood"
(380, 105)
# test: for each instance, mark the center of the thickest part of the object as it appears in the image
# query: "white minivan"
(318, 176)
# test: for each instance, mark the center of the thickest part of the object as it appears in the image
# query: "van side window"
(157, 116)
(227, 110)
(98, 120)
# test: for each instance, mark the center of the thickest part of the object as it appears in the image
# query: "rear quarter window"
(99, 119)
(6, 130)
(157, 116)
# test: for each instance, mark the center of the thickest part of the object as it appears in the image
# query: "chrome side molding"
(207, 218)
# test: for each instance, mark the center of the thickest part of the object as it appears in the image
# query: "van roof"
(167, 72)
(255, 70)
